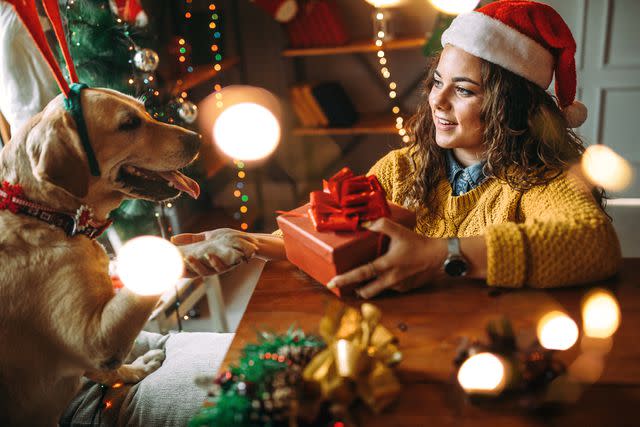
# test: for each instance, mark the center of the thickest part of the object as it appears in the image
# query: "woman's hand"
(216, 251)
(411, 261)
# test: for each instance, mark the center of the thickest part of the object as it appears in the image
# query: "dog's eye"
(130, 123)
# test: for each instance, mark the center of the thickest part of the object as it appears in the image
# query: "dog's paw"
(220, 250)
(143, 365)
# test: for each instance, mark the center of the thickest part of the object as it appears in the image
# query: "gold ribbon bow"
(358, 358)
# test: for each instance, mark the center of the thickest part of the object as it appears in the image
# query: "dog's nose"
(191, 141)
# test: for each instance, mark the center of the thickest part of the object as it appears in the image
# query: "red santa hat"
(527, 38)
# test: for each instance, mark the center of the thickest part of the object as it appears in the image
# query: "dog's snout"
(191, 141)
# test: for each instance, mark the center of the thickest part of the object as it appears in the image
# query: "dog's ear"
(57, 156)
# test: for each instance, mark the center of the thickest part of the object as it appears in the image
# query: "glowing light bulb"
(455, 7)
(600, 314)
(483, 373)
(381, 4)
(149, 265)
(247, 131)
(557, 331)
(605, 168)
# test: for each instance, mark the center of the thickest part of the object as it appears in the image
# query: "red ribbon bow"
(6, 200)
(346, 201)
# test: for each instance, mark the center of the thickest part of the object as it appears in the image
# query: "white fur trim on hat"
(496, 42)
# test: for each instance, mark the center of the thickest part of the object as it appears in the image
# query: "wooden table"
(430, 324)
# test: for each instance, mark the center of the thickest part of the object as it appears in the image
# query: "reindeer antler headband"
(27, 12)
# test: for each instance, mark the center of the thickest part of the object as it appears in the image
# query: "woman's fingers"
(386, 226)
(187, 238)
(357, 275)
(372, 289)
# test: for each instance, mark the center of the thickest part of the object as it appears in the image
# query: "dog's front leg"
(120, 321)
(130, 373)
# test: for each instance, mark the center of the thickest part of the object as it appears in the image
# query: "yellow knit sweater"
(550, 235)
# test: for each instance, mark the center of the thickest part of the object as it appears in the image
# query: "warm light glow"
(605, 168)
(217, 67)
(149, 265)
(247, 131)
(455, 7)
(244, 226)
(600, 314)
(243, 209)
(241, 174)
(483, 373)
(378, 43)
(557, 331)
(237, 193)
(396, 110)
(380, 34)
(381, 4)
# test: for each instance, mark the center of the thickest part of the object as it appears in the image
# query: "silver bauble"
(188, 111)
(146, 60)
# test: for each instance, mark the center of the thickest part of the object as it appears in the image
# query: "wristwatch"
(455, 265)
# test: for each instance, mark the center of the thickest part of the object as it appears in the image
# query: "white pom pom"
(576, 114)
(286, 11)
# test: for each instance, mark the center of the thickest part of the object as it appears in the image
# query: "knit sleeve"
(392, 171)
(565, 239)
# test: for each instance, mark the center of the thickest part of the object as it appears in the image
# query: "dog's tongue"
(182, 182)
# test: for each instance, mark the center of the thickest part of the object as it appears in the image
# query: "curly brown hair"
(527, 139)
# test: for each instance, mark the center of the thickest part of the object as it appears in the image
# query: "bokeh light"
(149, 265)
(605, 168)
(600, 314)
(557, 331)
(483, 373)
(455, 7)
(381, 4)
(247, 131)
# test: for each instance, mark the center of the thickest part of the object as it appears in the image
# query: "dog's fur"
(60, 316)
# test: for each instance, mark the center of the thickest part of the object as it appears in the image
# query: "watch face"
(455, 266)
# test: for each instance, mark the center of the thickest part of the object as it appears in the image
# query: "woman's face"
(455, 100)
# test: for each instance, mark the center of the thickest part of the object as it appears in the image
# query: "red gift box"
(317, 24)
(323, 238)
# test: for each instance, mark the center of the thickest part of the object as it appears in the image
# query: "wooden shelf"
(358, 46)
(202, 74)
(379, 124)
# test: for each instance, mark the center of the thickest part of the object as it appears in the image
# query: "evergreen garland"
(261, 389)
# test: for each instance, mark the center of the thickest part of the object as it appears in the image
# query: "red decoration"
(346, 201)
(6, 200)
(129, 11)
(317, 23)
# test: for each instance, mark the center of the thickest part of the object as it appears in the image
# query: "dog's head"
(138, 156)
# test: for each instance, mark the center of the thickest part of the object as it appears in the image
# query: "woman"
(487, 170)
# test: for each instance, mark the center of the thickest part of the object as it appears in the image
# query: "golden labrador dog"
(60, 317)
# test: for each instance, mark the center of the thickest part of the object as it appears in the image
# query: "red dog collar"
(81, 223)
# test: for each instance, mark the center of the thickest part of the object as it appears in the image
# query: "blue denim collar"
(463, 179)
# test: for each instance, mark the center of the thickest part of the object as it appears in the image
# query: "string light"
(384, 70)
(217, 66)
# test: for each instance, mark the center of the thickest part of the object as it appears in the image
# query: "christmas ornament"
(146, 60)
(281, 10)
(188, 111)
(129, 11)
